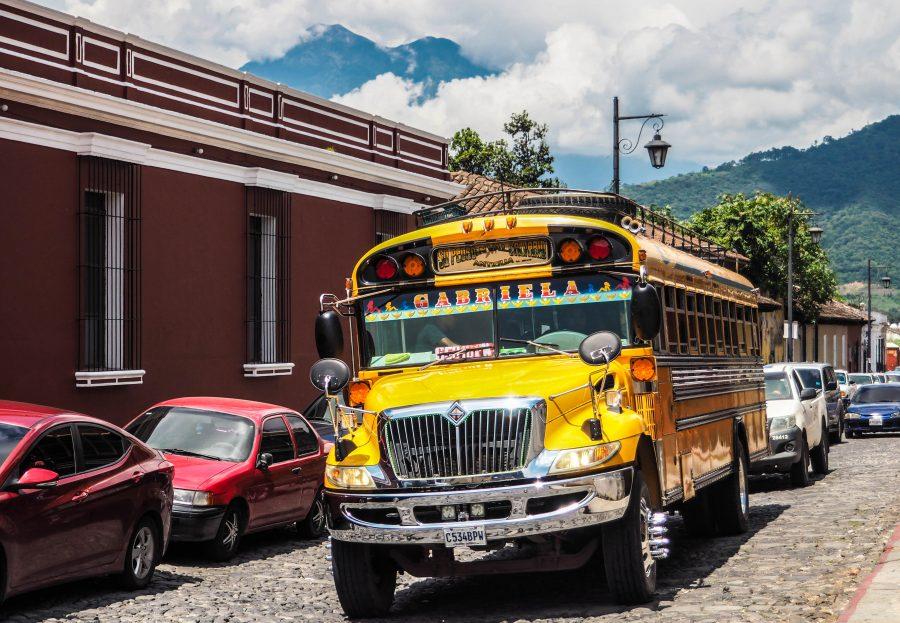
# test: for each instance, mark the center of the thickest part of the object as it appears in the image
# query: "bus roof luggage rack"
(606, 206)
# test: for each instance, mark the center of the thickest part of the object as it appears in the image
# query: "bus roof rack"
(605, 206)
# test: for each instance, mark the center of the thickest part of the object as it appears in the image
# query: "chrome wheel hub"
(142, 552)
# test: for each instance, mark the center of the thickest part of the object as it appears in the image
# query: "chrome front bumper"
(595, 499)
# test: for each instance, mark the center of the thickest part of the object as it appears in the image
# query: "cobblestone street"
(805, 553)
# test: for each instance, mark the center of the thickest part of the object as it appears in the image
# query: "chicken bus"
(554, 377)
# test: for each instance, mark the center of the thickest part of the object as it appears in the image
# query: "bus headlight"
(780, 423)
(579, 459)
(349, 477)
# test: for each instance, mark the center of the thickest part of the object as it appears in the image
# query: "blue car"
(874, 409)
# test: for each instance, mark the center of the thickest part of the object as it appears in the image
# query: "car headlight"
(780, 423)
(579, 459)
(349, 477)
(851, 415)
(193, 498)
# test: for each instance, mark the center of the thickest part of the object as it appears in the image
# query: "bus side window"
(693, 332)
(710, 324)
(701, 325)
(732, 314)
(682, 322)
(671, 320)
(720, 327)
(742, 329)
(756, 332)
(659, 342)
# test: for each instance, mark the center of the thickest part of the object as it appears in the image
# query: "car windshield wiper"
(550, 346)
(452, 356)
(190, 453)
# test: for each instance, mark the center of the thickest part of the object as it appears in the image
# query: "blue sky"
(733, 76)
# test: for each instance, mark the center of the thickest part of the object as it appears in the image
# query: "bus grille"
(486, 441)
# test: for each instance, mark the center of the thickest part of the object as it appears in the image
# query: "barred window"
(268, 276)
(109, 250)
(389, 224)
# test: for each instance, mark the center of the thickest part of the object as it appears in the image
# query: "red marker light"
(599, 248)
(385, 268)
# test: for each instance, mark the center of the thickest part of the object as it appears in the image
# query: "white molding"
(262, 370)
(94, 144)
(109, 378)
(37, 24)
(17, 86)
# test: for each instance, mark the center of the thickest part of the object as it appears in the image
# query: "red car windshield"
(10, 436)
(195, 432)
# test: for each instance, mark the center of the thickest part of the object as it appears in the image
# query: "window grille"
(389, 224)
(109, 265)
(268, 275)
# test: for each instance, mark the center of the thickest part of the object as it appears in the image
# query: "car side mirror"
(852, 383)
(35, 478)
(329, 335)
(646, 311)
(808, 393)
(600, 348)
(264, 460)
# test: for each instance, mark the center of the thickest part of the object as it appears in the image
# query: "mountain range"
(332, 60)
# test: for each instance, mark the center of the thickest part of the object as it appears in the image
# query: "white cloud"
(732, 76)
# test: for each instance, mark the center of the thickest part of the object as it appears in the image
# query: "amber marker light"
(511, 221)
(642, 369)
(467, 226)
(357, 392)
(569, 251)
(488, 224)
(413, 265)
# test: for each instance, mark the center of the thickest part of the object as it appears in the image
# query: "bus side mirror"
(600, 348)
(646, 311)
(329, 335)
(329, 376)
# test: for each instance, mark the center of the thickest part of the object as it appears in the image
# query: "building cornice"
(16, 86)
(103, 146)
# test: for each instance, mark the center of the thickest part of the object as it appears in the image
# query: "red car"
(79, 498)
(240, 467)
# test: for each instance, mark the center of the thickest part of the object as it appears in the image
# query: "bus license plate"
(875, 420)
(464, 537)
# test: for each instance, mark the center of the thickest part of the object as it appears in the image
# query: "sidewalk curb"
(893, 543)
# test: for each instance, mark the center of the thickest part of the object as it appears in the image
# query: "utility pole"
(869, 313)
(790, 286)
(656, 148)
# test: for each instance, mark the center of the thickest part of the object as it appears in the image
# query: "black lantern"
(886, 282)
(815, 233)
(657, 148)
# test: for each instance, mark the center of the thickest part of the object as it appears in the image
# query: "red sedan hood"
(191, 472)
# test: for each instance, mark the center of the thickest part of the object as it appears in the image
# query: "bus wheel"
(627, 559)
(699, 520)
(365, 578)
(731, 498)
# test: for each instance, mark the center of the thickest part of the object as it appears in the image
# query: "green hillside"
(853, 181)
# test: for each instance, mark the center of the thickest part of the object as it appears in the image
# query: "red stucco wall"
(193, 286)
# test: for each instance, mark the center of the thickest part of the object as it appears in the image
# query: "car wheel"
(365, 578)
(630, 568)
(314, 526)
(141, 556)
(228, 536)
(800, 469)
(819, 456)
(730, 499)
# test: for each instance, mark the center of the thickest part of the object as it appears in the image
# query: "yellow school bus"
(552, 378)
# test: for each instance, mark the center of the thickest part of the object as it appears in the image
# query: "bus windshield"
(536, 317)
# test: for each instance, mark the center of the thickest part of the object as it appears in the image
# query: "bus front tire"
(365, 578)
(630, 569)
(731, 497)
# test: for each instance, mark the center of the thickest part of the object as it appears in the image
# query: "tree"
(757, 228)
(524, 161)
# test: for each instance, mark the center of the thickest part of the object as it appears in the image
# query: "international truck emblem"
(455, 413)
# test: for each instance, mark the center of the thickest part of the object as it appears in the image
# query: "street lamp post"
(656, 148)
(815, 233)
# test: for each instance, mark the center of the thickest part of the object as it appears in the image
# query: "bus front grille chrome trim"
(463, 438)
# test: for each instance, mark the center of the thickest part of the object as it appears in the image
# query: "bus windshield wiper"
(550, 347)
(452, 356)
(190, 453)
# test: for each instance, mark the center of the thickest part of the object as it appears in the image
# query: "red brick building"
(169, 223)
